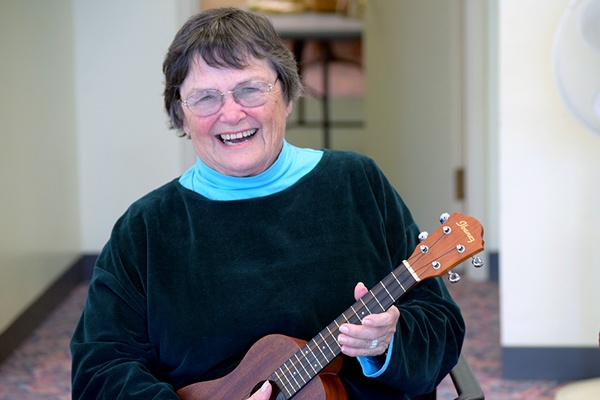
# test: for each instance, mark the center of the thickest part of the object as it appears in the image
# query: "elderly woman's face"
(255, 133)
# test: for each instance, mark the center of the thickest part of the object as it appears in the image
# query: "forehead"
(203, 76)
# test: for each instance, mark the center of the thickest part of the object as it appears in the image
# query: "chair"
(464, 380)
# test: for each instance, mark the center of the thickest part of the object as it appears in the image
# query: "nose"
(231, 111)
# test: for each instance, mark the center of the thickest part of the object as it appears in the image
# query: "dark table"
(324, 28)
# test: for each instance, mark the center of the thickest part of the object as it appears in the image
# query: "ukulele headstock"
(459, 238)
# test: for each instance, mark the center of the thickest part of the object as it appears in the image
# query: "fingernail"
(344, 329)
(264, 387)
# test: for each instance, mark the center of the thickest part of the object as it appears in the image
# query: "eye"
(204, 97)
(248, 89)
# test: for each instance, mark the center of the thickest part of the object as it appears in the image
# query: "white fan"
(576, 55)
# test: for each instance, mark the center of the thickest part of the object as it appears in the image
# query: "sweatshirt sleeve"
(428, 339)
(113, 357)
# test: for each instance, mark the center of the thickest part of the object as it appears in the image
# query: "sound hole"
(276, 394)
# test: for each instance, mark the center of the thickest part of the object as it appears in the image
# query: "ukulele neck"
(308, 361)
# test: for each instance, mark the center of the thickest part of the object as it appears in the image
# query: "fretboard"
(308, 361)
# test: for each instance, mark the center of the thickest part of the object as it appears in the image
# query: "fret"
(379, 303)
(314, 361)
(297, 386)
(318, 346)
(365, 305)
(397, 280)
(295, 373)
(387, 291)
(299, 361)
(305, 360)
(328, 358)
(355, 313)
(275, 377)
(333, 335)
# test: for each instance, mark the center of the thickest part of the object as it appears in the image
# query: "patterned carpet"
(40, 368)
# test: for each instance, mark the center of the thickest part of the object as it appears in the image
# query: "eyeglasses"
(248, 94)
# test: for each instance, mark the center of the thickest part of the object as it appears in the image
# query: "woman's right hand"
(264, 393)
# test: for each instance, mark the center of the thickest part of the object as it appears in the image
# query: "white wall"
(413, 100)
(125, 148)
(549, 192)
(39, 201)
(427, 108)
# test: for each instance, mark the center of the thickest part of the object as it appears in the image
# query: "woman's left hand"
(373, 337)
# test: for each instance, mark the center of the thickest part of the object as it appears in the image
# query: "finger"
(358, 335)
(371, 347)
(388, 318)
(356, 339)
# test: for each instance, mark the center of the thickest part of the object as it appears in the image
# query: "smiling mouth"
(236, 138)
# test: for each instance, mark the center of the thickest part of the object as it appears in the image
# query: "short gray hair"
(226, 38)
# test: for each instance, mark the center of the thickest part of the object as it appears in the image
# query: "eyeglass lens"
(248, 94)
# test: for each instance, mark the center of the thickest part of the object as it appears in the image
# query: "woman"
(259, 237)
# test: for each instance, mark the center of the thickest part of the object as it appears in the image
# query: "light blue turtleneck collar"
(291, 165)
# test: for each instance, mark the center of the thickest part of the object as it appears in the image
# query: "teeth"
(238, 135)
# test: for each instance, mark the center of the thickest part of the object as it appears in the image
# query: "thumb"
(264, 393)
(360, 290)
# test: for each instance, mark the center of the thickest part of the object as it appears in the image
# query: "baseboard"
(551, 363)
(35, 314)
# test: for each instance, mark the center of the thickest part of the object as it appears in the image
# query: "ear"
(289, 108)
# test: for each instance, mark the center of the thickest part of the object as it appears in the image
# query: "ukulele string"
(420, 267)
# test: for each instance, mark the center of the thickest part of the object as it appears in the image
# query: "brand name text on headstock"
(463, 226)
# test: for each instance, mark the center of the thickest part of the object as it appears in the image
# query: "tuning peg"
(477, 262)
(444, 217)
(453, 277)
(423, 235)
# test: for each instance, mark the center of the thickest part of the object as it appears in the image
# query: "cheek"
(197, 127)
(279, 114)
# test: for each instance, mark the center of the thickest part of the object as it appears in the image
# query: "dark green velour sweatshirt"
(185, 285)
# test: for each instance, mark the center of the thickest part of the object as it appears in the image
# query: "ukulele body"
(264, 357)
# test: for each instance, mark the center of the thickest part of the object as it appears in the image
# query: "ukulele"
(307, 370)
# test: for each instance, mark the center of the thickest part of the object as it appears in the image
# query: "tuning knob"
(444, 217)
(423, 235)
(453, 277)
(477, 262)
